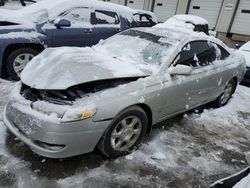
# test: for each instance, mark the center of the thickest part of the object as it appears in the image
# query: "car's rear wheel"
(227, 94)
(17, 60)
(125, 132)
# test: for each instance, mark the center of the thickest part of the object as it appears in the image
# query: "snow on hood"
(61, 68)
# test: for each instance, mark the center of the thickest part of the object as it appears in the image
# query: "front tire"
(125, 133)
(17, 60)
(223, 99)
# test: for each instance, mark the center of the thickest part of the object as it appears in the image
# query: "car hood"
(61, 68)
(20, 17)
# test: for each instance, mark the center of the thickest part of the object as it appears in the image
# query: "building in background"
(225, 16)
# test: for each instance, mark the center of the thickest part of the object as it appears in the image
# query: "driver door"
(78, 34)
(188, 91)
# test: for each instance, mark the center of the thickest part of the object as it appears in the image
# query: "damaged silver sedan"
(73, 100)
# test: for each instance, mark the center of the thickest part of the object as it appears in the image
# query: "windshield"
(139, 46)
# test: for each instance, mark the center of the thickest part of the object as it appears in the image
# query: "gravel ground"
(191, 150)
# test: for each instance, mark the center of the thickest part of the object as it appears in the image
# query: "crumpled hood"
(61, 68)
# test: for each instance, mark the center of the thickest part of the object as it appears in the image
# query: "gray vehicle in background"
(72, 100)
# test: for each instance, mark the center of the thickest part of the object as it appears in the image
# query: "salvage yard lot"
(191, 150)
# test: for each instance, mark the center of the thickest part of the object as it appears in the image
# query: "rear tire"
(17, 60)
(125, 133)
(223, 99)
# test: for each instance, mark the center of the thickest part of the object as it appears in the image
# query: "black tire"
(10, 61)
(2, 3)
(105, 143)
(219, 102)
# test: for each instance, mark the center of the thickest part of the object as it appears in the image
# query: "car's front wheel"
(227, 94)
(125, 132)
(17, 60)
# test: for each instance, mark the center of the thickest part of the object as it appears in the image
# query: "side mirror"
(180, 70)
(61, 22)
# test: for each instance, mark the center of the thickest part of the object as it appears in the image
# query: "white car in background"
(245, 50)
(186, 22)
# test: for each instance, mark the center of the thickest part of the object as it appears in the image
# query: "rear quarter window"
(219, 52)
(105, 17)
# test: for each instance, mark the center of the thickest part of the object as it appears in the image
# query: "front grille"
(68, 96)
(54, 96)
(22, 121)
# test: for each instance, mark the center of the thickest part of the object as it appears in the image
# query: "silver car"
(72, 100)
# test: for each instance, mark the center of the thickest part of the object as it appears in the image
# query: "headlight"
(65, 113)
(48, 109)
(76, 115)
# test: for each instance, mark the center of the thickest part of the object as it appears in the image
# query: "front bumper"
(53, 139)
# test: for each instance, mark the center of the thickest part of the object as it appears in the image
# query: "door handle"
(87, 30)
(212, 77)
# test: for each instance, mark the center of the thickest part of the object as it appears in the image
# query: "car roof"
(178, 35)
(56, 7)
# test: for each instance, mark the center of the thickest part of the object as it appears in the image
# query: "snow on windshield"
(136, 46)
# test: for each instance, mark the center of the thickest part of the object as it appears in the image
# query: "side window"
(219, 52)
(204, 54)
(105, 17)
(196, 54)
(186, 57)
(224, 53)
(78, 15)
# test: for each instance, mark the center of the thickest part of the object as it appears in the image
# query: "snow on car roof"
(177, 34)
(182, 21)
(197, 20)
(56, 7)
(154, 18)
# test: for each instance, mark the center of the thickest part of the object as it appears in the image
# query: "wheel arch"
(12, 47)
(236, 82)
(149, 114)
(146, 109)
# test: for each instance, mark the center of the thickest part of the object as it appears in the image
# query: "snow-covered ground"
(192, 150)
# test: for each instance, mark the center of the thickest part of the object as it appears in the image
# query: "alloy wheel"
(21, 61)
(126, 133)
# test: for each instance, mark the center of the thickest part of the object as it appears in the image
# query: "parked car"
(144, 18)
(71, 100)
(26, 32)
(189, 22)
(238, 180)
(245, 50)
(15, 4)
